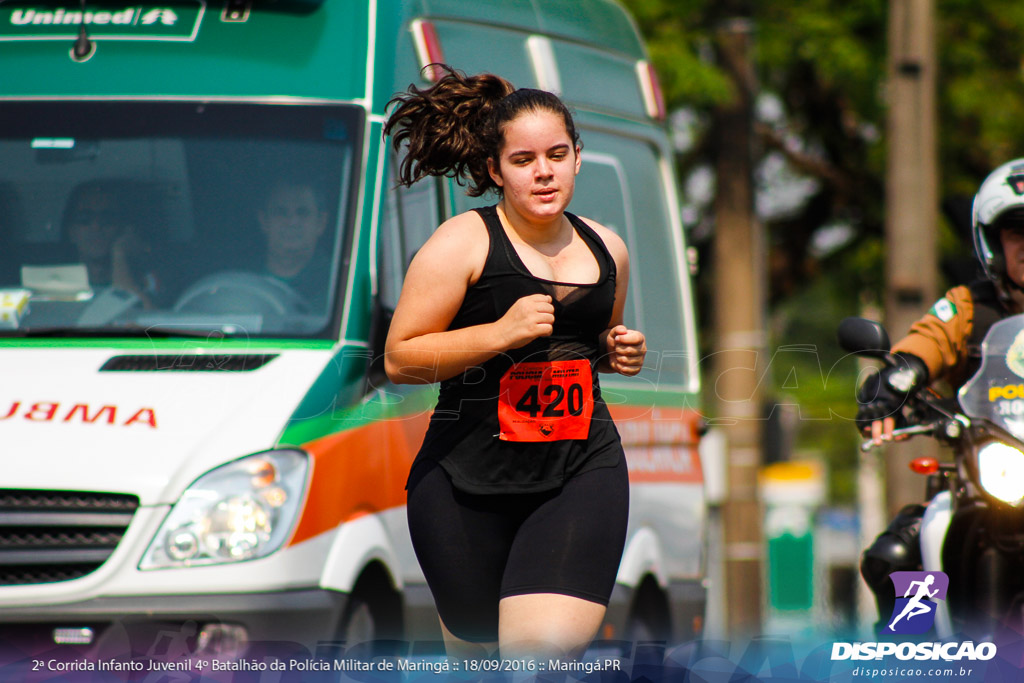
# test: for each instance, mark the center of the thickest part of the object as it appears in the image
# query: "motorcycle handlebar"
(914, 430)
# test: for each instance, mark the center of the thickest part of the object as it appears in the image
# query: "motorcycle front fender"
(934, 525)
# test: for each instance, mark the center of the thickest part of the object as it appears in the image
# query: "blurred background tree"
(820, 108)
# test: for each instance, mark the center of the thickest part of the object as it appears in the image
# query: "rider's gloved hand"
(883, 394)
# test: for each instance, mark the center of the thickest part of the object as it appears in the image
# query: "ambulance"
(199, 444)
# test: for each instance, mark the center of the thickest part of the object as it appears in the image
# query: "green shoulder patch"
(944, 310)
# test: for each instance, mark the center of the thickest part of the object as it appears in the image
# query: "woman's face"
(537, 166)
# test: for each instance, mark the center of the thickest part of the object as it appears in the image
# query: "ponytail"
(446, 128)
(453, 127)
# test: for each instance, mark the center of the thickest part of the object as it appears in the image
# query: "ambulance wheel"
(358, 625)
(372, 621)
(649, 618)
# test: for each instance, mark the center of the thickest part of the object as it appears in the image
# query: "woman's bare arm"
(420, 349)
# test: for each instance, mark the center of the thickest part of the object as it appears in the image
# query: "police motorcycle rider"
(945, 344)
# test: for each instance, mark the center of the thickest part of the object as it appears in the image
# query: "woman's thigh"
(462, 548)
(475, 550)
(571, 544)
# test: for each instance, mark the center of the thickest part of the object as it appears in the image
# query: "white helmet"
(1001, 192)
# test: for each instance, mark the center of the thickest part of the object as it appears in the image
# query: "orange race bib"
(550, 401)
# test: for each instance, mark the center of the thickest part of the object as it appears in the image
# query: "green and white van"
(213, 449)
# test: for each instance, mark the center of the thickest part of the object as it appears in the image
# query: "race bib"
(550, 401)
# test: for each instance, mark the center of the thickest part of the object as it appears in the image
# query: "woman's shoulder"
(465, 229)
(615, 244)
(461, 241)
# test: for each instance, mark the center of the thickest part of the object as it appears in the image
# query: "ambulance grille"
(51, 536)
(225, 362)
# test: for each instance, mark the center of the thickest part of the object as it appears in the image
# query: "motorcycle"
(973, 523)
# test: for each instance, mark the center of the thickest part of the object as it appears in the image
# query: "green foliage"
(980, 88)
(842, 41)
(678, 43)
(821, 380)
(826, 62)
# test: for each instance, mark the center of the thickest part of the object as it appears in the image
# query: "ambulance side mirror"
(380, 323)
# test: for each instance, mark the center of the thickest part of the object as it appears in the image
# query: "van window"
(505, 51)
(621, 186)
(600, 79)
(125, 216)
(602, 195)
(411, 214)
(657, 280)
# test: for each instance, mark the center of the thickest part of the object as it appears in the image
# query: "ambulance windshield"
(118, 218)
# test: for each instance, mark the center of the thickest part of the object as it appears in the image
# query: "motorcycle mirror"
(863, 337)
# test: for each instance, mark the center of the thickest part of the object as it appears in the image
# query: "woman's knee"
(458, 648)
(547, 625)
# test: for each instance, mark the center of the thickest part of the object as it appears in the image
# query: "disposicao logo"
(914, 612)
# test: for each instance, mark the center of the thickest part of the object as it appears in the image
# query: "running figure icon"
(914, 607)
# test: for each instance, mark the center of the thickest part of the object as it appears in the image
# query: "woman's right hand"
(531, 317)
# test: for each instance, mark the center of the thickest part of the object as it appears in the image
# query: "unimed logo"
(21, 20)
(916, 596)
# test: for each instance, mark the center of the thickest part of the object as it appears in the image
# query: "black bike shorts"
(477, 549)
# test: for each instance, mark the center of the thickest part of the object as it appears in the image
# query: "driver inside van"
(292, 219)
(98, 223)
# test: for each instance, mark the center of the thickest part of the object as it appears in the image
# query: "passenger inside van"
(99, 223)
(10, 219)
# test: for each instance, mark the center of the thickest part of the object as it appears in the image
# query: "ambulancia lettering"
(79, 413)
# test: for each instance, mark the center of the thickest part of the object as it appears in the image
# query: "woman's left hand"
(626, 350)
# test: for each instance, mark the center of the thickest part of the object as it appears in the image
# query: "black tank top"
(529, 418)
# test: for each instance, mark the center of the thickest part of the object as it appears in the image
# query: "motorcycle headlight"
(239, 511)
(1001, 472)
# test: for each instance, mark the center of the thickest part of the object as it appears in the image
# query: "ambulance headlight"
(1001, 472)
(240, 511)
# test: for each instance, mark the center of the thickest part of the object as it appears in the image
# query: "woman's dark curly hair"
(454, 126)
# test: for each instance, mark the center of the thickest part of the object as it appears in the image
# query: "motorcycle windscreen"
(996, 392)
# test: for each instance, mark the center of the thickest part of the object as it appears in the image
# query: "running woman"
(518, 497)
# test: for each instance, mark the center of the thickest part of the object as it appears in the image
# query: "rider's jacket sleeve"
(940, 337)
